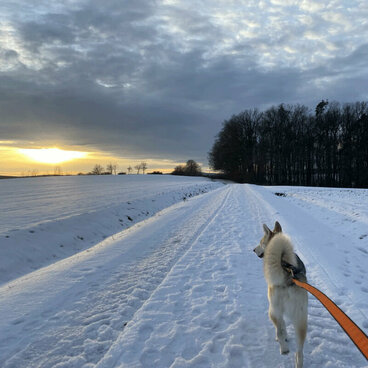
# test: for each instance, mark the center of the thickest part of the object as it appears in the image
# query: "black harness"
(297, 272)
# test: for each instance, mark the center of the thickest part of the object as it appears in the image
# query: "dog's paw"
(284, 349)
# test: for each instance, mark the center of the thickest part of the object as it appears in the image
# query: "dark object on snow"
(280, 194)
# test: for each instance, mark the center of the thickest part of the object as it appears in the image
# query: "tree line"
(112, 169)
(293, 145)
(191, 168)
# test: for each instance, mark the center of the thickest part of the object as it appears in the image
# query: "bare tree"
(129, 169)
(97, 170)
(144, 166)
(138, 168)
(179, 170)
(110, 168)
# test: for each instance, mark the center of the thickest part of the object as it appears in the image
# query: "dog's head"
(268, 235)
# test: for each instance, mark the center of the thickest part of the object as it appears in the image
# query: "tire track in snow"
(145, 331)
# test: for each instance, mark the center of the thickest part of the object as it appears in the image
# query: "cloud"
(311, 6)
(157, 78)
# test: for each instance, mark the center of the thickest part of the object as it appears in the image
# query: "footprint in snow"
(18, 321)
(363, 250)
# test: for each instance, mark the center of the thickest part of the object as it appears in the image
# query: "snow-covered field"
(181, 287)
(43, 220)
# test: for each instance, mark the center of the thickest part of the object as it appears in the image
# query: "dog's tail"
(279, 249)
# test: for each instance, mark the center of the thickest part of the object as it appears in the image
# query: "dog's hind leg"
(281, 335)
(300, 332)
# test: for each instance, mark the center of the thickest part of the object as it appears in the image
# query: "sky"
(127, 81)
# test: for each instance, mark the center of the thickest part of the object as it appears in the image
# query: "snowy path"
(181, 289)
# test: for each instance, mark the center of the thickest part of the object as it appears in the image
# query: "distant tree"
(111, 168)
(138, 168)
(144, 166)
(129, 169)
(192, 168)
(122, 173)
(320, 108)
(179, 170)
(97, 170)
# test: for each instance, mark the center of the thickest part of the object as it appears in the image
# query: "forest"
(295, 145)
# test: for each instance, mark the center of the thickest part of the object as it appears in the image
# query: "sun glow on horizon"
(51, 155)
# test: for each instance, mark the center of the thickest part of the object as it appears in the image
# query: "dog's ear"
(267, 230)
(277, 228)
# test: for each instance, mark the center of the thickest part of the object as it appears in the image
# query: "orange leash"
(356, 335)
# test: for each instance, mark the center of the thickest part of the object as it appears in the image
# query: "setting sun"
(51, 155)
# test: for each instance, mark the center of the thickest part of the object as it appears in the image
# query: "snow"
(182, 287)
(43, 220)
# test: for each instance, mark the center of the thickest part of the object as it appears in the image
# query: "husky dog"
(285, 298)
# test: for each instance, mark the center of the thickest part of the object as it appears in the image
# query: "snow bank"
(43, 220)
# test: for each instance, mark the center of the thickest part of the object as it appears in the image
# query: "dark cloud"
(157, 78)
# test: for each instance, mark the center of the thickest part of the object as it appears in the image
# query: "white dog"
(285, 298)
